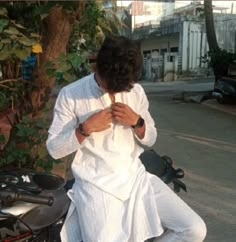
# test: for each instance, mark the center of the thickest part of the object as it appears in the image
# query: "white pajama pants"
(181, 222)
(96, 216)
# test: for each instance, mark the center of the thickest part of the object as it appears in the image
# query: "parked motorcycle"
(33, 205)
(225, 90)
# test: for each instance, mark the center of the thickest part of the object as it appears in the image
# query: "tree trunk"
(212, 40)
(57, 30)
(210, 27)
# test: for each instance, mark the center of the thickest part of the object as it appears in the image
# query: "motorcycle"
(34, 205)
(225, 90)
(225, 87)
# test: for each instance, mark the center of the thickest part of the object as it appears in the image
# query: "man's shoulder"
(138, 89)
(79, 84)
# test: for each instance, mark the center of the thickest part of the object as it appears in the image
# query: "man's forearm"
(140, 132)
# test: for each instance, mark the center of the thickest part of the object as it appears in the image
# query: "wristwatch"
(139, 123)
(81, 130)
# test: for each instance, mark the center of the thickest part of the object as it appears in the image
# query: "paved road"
(202, 140)
(194, 85)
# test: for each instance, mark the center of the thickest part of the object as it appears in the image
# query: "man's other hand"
(122, 113)
(98, 121)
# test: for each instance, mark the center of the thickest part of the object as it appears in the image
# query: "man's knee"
(197, 231)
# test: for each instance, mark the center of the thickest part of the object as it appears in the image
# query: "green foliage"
(15, 41)
(12, 93)
(68, 67)
(219, 60)
(221, 56)
(15, 45)
(20, 23)
(27, 149)
(4, 101)
(97, 21)
(90, 19)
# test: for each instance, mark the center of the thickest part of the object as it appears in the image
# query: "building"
(173, 45)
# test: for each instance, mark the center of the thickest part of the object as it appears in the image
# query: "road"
(202, 140)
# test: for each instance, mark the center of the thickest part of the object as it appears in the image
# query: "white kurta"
(112, 198)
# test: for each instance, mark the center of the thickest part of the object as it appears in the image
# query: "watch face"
(140, 123)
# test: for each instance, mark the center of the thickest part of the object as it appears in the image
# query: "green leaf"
(21, 133)
(43, 16)
(5, 54)
(49, 65)
(68, 77)
(6, 41)
(76, 61)
(18, 25)
(26, 41)
(3, 23)
(2, 139)
(34, 35)
(42, 152)
(22, 53)
(63, 67)
(3, 12)
(10, 158)
(13, 37)
(62, 58)
(12, 30)
(51, 73)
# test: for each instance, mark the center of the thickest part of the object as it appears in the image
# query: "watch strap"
(81, 130)
(139, 123)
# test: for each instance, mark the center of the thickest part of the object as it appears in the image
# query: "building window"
(163, 50)
(146, 53)
(171, 58)
(174, 49)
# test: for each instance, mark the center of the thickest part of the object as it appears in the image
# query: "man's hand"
(98, 122)
(122, 113)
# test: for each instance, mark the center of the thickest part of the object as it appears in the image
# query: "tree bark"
(210, 27)
(57, 30)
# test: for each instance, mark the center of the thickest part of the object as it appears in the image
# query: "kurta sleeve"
(62, 140)
(150, 136)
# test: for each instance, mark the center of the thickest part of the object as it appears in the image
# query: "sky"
(181, 3)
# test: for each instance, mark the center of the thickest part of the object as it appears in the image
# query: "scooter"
(33, 205)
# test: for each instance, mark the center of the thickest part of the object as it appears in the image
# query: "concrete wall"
(194, 45)
(160, 42)
(225, 26)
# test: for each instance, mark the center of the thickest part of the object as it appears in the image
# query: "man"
(104, 118)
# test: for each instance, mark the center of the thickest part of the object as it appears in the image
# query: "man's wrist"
(82, 130)
(139, 124)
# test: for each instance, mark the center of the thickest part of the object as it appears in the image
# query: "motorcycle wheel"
(224, 100)
(221, 100)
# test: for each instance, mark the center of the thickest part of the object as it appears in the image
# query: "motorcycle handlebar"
(13, 196)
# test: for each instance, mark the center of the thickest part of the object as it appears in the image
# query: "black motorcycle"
(33, 205)
(225, 90)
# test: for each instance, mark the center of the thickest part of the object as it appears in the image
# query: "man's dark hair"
(119, 63)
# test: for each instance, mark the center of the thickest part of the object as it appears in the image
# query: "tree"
(57, 29)
(210, 27)
(65, 30)
(219, 59)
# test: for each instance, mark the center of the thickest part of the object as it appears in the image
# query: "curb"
(230, 109)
